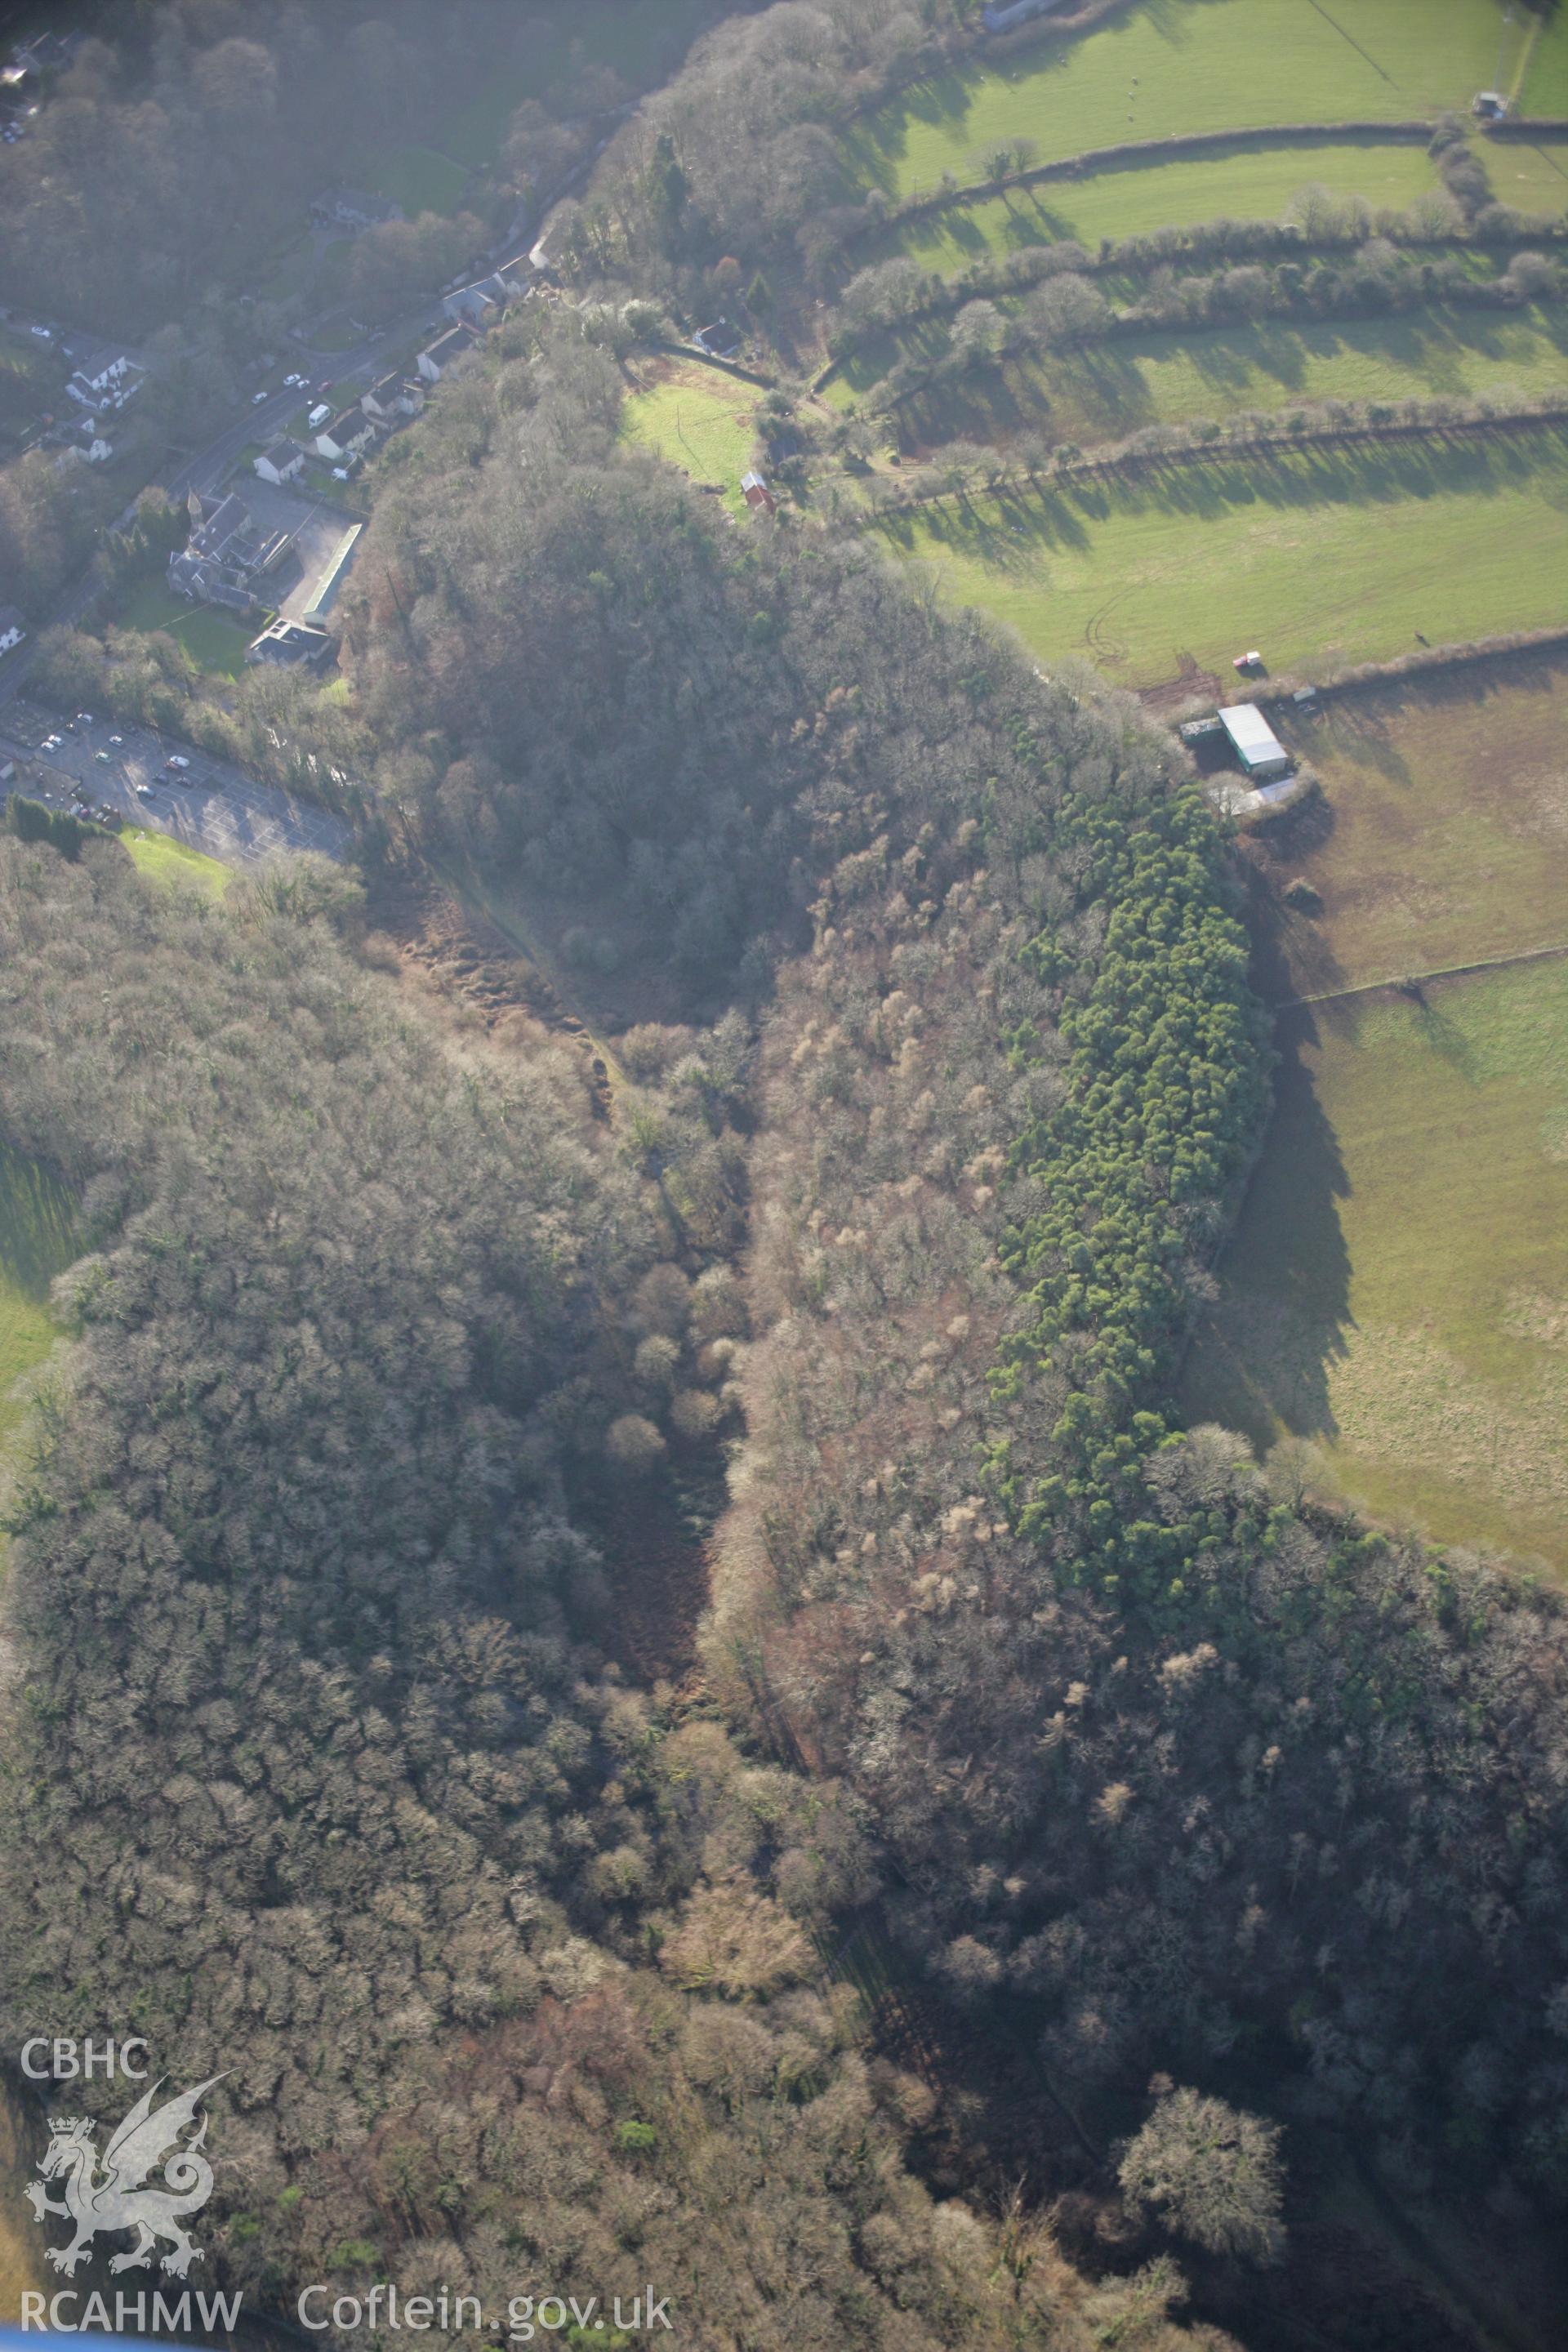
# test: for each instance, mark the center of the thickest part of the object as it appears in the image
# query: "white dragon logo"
(117, 2199)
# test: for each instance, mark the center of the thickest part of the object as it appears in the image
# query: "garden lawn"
(1395, 1294)
(215, 642)
(1203, 65)
(1440, 838)
(697, 418)
(1106, 391)
(1322, 558)
(1256, 183)
(168, 860)
(417, 178)
(36, 1220)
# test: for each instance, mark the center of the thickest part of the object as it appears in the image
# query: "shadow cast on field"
(1261, 1357)
(1375, 474)
(37, 1224)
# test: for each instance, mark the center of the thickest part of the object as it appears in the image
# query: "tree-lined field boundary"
(1405, 983)
(1530, 130)
(1430, 661)
(1133, 463)
(1130, 154)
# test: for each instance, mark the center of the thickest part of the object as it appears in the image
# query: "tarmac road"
(213, 805)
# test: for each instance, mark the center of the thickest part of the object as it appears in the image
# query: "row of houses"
(343, 439)
(229, 557)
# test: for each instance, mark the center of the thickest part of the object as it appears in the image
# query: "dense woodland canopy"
(179, 152)
(1211, 1781)
(587, 679)
(316, 1766)
(1225, 1782)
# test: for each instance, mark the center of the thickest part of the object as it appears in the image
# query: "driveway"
(214, 806)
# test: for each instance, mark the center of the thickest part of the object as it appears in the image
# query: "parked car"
(176, 759)
(84, 719)
(256, 398)
(144, 792)
(117, 740)
(104, 758)
(48, 334)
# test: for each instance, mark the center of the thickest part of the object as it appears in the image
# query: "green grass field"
(36, 1218)
(1320, 557)
(1256, 183)
(215, 642)
(1206, 65)
(168, 860)
(417, 178)
(1107, 390)
(1445, 801)
(1395, 1293)
(697, 418)
(1531, 178)
(1541, 87)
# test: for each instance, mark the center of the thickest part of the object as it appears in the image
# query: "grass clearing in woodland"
(37, 1242)
(695, 417)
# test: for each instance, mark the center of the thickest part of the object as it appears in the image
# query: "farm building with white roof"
(1257, 746)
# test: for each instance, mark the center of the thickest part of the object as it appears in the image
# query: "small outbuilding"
(1255, 744)
(756, 493)
(292, 645)
(1490, 104)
